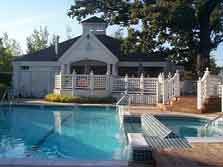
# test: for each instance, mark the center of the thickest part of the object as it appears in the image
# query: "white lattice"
(66, 81)
(118, 84)
(133, 84)
(82, 82)
(100, 81)
(142, 99)
(150, 85)
(57, 81)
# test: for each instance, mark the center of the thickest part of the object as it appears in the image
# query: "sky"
(20, 17)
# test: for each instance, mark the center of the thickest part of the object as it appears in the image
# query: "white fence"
(208, 86)
(140, 90)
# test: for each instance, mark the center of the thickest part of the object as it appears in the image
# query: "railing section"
(141, 90)
(207, 86)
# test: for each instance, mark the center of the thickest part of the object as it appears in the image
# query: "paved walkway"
(200, 155)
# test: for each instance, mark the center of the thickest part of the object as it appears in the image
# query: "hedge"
(78, 99)
(5, 78)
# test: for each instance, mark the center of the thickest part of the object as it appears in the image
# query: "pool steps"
(154, 136)
(218, 120)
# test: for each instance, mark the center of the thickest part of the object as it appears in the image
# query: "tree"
(188, 30)
(12, 45)
(38, 40)
(5, 58)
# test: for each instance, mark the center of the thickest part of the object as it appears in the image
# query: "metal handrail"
(122, 99)
(4, 96)
(213, 120)
(7, 93)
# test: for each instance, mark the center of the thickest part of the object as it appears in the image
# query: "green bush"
(77, 99)
(5, 79)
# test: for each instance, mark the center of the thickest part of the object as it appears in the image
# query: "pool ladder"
(7, 96)
(211, 122)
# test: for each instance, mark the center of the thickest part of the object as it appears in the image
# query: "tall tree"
(38, 40)
(5, 58)
(12, 44)
(188, 30)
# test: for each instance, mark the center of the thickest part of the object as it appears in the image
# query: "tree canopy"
(12, 45)
(188, 30)
(38, 40)
(5, 58)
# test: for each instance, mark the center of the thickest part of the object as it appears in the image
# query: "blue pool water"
(190, 126)
(79, 133)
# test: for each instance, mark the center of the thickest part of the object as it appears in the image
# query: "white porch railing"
(208, 86)
(140, 90)
(168, 88)
(221, 98)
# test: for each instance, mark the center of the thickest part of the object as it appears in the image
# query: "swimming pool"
(188, 126)
(77, 133)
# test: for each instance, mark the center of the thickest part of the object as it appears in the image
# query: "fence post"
(206, 84)
(108, 80)
(141, 84)
(165, 89)
(92, 82)
(199, 94)
(158, 93)
(177, 84)
(61, 80)
(74, 78)
(221, 98)
(126, 84)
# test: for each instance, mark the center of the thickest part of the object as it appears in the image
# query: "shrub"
(78, 99)
(6, 78)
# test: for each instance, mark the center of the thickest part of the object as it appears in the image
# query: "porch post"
(108, 69)
(108, 87)
(141, 84)
(221, 98)
(177, 86)
(158, 93)
(74, 81)
(126, 84)
(92, 83)
(199, 94)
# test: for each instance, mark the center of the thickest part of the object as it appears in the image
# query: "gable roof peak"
(94, 19)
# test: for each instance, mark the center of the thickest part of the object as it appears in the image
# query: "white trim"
(72, 48)
(144, 64)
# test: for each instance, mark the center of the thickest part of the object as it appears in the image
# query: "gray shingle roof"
(48, 54)
(94, 19)
(112, 44)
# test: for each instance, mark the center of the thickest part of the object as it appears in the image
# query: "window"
(24, 67)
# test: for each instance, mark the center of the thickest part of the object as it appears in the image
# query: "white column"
(108, 85)
(158, 90)
(221, 98)
(92, 82)
(177, 84)
(74, 81)
(114, 70)
(108, 69)
(141, 84)
(68, 69)
(63, 69)
(126, 84)
(199, 94)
